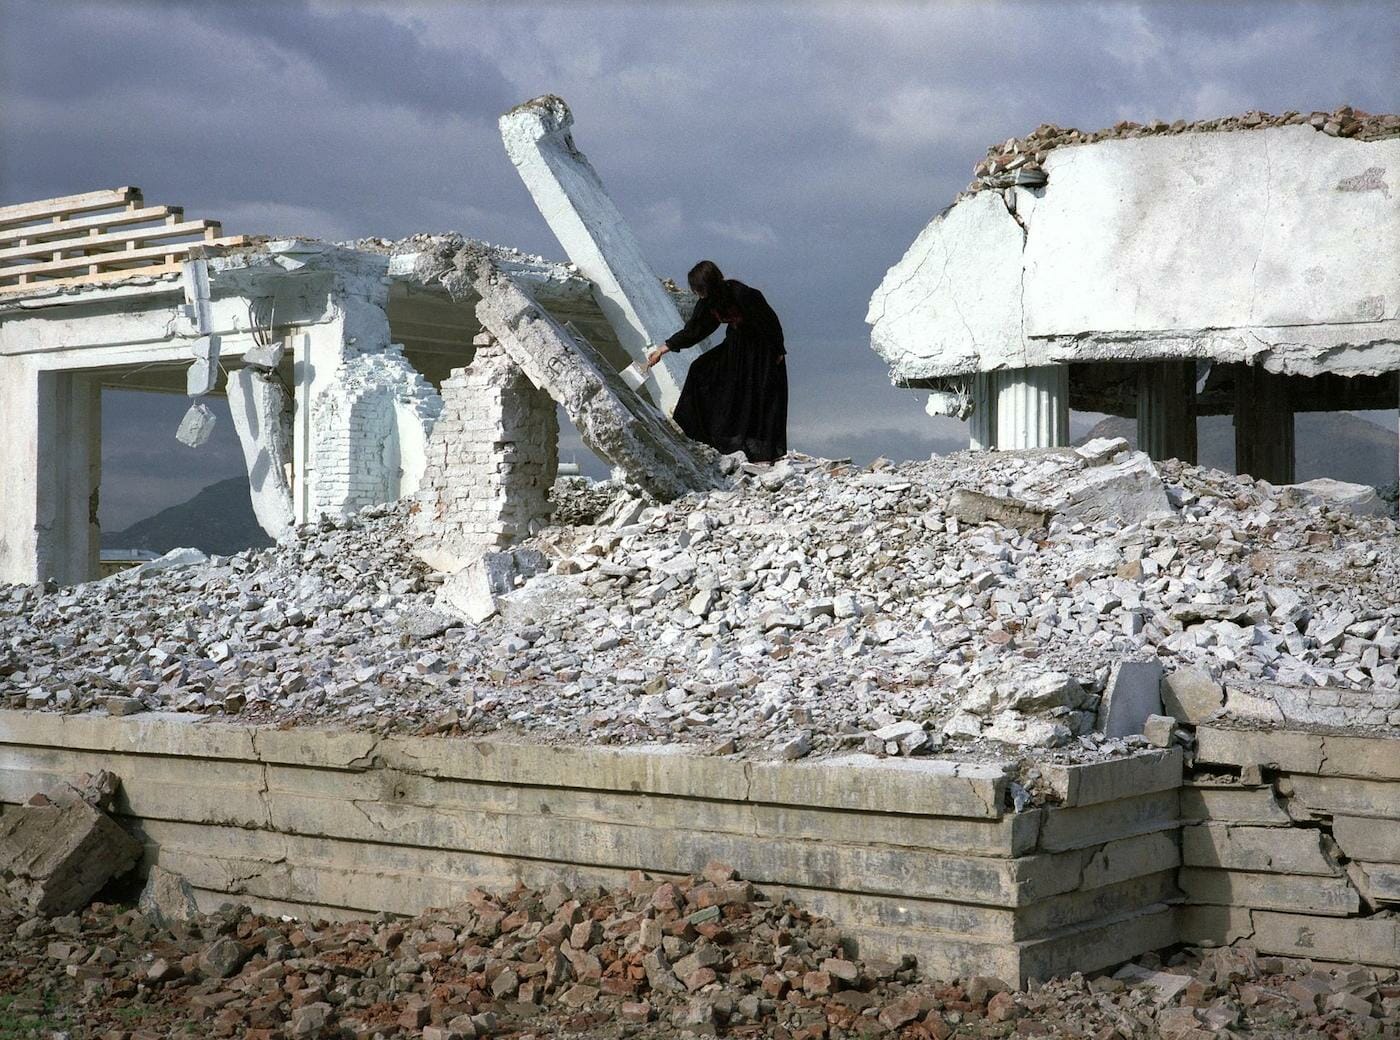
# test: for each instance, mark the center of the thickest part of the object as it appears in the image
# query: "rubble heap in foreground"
(698, 956)
(814, 606)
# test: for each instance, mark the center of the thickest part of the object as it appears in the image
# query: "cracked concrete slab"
(1276, 267)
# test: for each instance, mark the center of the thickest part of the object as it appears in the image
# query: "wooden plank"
(154, 271)
(59, 228)
(105, 264)
(122, 240)
(64, 204)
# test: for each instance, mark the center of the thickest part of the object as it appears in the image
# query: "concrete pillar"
(1263, 425)
(571, 198)
(1166, 410)
(982, 423)
(1032, 407)
(50, 469)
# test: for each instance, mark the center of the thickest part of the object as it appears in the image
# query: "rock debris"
(813, 607)
(705, 955)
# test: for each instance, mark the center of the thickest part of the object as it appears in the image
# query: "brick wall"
(492, 458)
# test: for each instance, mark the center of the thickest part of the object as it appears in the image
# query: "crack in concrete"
(1264, 227)
(264, 797)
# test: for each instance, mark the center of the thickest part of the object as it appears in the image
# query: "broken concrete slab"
(1267, 850)
(973, 507)
(1367, 839)
(267, 356)
(261, 410)
(1128, 490)
(1360, 499)
(55, 857)
(572, 200)
(472, 592)
(613, 421)
(167, 897)
(1133, 693)
(1191, 696)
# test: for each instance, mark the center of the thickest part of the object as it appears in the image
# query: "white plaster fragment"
(197, 425)
(261, 413)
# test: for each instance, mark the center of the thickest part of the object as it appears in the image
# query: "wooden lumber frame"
(94, 237)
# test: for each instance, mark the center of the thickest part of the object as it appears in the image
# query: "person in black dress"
(735, 395)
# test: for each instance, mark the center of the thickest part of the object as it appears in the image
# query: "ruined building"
(1238, 266)
(332, 356)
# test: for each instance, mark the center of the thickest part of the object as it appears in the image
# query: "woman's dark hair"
(707, 281)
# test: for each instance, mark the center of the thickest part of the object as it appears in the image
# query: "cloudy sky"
(800, 146)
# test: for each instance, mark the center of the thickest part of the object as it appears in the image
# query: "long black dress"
(735, 395)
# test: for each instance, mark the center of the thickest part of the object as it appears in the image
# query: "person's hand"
(656, 354)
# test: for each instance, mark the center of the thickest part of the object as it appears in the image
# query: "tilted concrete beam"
(589, 226)
(614, 422)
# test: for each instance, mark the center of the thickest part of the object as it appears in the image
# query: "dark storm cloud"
(802, 146)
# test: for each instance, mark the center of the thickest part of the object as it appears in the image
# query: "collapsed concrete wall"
(372, 423)
(491, 460)
(615, 422)
(1255, 246)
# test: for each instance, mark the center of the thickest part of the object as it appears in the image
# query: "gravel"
(813, 607)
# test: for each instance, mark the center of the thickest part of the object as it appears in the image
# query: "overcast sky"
(802, 147)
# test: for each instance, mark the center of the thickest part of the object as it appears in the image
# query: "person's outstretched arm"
(701, 324)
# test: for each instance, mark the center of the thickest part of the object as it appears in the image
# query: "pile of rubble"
(957, 605)
(706, 955)
(1019, 160)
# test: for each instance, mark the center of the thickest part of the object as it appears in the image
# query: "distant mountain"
(1328, 444)
(217, 520)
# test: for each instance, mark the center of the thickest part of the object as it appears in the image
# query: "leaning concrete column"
(589, 226)
(1032, 407)
(1263, 425)
(1166, 410)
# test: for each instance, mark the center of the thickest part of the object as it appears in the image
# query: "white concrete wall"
(1274, 244)
(50, 468)
(370, 424)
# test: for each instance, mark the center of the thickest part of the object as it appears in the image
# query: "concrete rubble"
(1020, 161)
(58, 849)
(702, 955)
(731, 619)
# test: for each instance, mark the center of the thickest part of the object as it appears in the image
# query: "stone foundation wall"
(492, 459)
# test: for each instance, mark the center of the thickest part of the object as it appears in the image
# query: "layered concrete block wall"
(1285, 840)
(1291, 842)
(908, 856)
